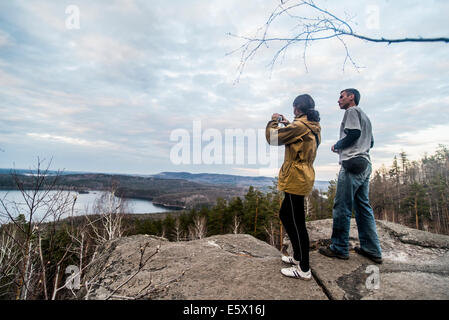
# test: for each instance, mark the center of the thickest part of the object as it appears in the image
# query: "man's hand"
(333, 149)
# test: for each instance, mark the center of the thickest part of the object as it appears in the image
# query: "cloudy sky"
(102, 86)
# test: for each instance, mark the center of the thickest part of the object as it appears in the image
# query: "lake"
(83, 201)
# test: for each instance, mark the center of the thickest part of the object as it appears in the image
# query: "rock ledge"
(235, 267)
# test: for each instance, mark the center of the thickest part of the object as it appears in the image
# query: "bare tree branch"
(316, 24)
(28, 224)
(142, 264)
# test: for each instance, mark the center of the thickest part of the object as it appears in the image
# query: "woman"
(296, 176)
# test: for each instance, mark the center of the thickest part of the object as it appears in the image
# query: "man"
(356, 139)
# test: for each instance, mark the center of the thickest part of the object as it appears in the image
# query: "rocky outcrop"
(416, 266)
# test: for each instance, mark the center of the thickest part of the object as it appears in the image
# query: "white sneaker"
(289, 259)
(296, 272)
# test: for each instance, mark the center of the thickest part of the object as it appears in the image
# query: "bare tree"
(308, 206)
(177, 231)
(110, 208)
(80, 248)
(37, 249)
(198, 230)
(271, 231)
(236, 225)
(44, 202)
(310, 23)
(9, 259)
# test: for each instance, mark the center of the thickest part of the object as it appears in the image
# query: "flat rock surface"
(219, 267)
(415, 265)
(239, 266)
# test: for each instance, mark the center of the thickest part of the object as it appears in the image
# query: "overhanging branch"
(319, 25)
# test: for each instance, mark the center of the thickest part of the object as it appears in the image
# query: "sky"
(126, 86)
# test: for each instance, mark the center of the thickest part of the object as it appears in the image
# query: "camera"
(279, 119)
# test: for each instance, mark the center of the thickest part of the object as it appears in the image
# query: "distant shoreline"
(96, 193)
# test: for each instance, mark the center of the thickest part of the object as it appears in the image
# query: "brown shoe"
(362, 252)
(328, 252)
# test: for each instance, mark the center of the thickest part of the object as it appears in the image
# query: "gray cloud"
(106, 97)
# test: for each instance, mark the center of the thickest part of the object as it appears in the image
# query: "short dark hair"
(356, 94)
(306, 105)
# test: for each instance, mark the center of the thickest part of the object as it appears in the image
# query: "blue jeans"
(352, 192)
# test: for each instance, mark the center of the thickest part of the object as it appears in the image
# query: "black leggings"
(293, 219)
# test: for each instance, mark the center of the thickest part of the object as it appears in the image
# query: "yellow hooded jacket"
(301, 139)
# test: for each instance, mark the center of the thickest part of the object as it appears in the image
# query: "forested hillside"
(414, 193)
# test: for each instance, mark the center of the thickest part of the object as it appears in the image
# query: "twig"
(141, 265)
(324, 26)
